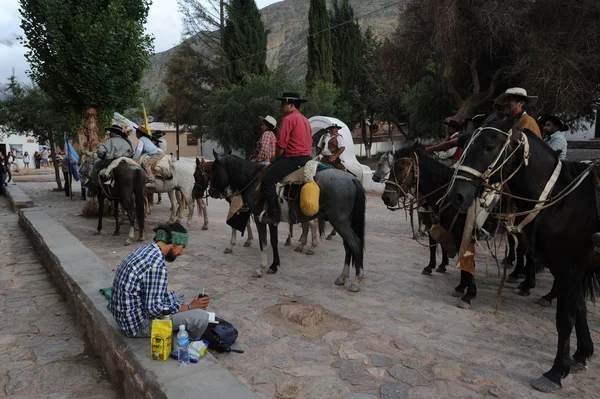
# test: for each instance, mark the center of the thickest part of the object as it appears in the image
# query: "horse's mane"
(242, 170)
(438, 173)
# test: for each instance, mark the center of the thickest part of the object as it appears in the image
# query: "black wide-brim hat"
(562, 126)
(117, 129)
(291, 97)
(334, 126)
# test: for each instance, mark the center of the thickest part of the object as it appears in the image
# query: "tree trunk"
(54, 160)
(89, 133)
(365, 137)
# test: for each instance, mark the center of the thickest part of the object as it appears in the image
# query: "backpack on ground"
(221, 336)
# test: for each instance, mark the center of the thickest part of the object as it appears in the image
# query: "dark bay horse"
(409, 162)
(342, 202)
(128, 190)
(560, 234)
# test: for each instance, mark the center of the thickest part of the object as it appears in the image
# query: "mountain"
(287, 24)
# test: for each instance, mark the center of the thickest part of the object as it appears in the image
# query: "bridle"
(403, 187)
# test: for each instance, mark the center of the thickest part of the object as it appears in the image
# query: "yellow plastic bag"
(309, 198)
(160, 339)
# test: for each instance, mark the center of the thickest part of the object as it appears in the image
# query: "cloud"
(9, 41)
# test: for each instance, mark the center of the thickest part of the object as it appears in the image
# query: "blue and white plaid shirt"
(140, 289)
(557, 142)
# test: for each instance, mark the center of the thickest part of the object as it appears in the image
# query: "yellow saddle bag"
(309, 198)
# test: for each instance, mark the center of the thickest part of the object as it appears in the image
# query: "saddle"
(107, 173)
(162, 167)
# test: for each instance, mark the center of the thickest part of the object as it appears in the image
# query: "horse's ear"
(229, 152)
(216, 155)
(197, 162)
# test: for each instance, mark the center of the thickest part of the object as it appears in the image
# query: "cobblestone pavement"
(400, 336)
(43, 353)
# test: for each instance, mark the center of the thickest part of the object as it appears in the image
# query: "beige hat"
(270, 120)
(516, 92)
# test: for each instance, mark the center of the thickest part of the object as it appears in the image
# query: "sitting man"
(331, 146)
(145, 146)
(294, 149)
(116, 146)
(267, 145)
(140, 288)
(553, 128)
(454, 127)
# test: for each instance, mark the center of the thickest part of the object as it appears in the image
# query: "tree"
(320, 68)
(232, 113)
(348, 44)
(244, 40)
(326, 99)
(479, 47)
(88, 55)
(29, 111)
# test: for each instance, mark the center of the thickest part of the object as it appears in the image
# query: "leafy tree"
(27, 110)
(325, 99)
(426, 103)
(88, 55)
(348, 46)
(320, 68)
(244, 40)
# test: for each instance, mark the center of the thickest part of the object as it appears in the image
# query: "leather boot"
(273, 210)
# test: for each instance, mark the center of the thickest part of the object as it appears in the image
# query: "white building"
(18, 144)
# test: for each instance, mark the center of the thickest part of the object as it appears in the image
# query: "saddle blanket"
(107, 172)
(161, 168)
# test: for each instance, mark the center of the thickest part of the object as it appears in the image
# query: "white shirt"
(325, 141)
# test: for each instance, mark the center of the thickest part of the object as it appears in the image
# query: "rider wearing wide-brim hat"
(158, 138)
(553, 126)
(267, 145)
(146, 146)
(514, 102)
(294, 149)
(331, 146)
(116, 146)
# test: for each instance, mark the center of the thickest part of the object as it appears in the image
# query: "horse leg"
(569, 296)
(288, 241)
(547, 299)
(330, 236)
(432, 254)
(313, 237)
(174, 209)
(274, 238)
(202, 210)
(250, 236)
(529, 281)
(464, 283)
(229, 249)
(147, 200)
(191, 206)
(159, 199)
(513, 277)
(509, 260)
(465, 301)
(303, 238)
(262, 240)
(442, 266)
(341, 280)
(128, 207)
(585, 345)
(353, 247)
(100, 213)
(116, 215)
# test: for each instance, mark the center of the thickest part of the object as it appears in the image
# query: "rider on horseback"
(294, 149)
(145, 146)
(116, 146)
(331, 146)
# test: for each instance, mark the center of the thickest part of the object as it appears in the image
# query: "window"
(191, 140)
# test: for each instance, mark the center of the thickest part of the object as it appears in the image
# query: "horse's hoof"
(97, 233)
(507, 262)
(426, 272)
(247, 244)
(141, 239)
(441, 269)
(228, 251)
(329, 238)
(457, 294)
(543, 302)
(204, 228)
(288, 242)
(577, 367)
(271, 271)
(354, 287)
(310, 252)
(116, 233)
(512, 279)
(544, 384)
(340, 281)
(128, 242)
(256, 274)
(299, 249)
(523, 293)
(463, 304)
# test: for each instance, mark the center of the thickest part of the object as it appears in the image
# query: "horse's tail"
(591, 284)
(358, 220)
(139, 190)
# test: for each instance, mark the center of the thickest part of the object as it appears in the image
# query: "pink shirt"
(295, 135)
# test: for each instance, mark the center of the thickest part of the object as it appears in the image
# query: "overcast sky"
(163, 22)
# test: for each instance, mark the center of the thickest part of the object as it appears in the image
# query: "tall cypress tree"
(348, 44)
(244, 40)
(320, 66)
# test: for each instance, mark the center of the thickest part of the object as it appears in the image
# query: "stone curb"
(79, 273)
(17, 197)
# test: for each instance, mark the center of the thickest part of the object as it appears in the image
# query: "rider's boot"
(273, 211)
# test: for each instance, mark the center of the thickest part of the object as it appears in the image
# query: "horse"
(342, 202)
(557, 205)
(384, 167)
(412, 167)
(128, 190)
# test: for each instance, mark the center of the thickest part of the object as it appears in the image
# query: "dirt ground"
(401, 336)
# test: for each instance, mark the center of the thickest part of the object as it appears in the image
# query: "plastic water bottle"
(183, 342)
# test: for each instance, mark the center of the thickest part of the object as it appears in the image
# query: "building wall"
(24, 143)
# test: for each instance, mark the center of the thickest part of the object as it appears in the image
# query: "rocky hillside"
(287, 23)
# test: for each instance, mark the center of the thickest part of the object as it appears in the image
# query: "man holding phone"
(140, 288)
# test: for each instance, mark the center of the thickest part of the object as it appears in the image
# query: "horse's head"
(219, 180)
(383, 167)
(86, 162)
(402, 174)
(202, 173)
(492, 155)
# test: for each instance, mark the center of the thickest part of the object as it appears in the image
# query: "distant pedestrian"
(8, 161)
(45, 158)
(26, 160)
(37, 158)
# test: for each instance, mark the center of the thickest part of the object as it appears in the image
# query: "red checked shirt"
(266, 147)
(295, 135)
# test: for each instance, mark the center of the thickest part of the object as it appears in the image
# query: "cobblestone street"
(401, 336)
(43, 353)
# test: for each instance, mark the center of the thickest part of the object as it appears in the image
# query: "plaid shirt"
(140, 289)
(557, 142)
(266, 147)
